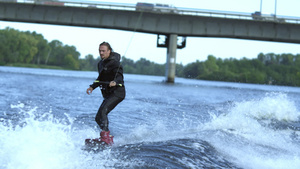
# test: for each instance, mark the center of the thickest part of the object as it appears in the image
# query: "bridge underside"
(182, 25)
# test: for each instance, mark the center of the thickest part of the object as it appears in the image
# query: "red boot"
(105, 137)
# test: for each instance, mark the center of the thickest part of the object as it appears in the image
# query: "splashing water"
(259, 133)
(43, 141)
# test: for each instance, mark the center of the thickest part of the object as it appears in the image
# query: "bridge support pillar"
(171, 58)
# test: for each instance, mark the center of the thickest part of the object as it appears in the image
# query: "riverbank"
(34, 66)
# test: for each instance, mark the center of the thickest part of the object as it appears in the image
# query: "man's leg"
(106, 106)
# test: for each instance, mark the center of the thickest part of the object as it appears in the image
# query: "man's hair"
(106, 44)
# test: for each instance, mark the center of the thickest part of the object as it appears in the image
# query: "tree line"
(276, 69)
(30, 48)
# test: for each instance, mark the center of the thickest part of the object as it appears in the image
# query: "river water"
(46, 115)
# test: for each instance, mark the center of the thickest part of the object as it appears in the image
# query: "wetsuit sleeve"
(95, 83)
(119, 76)
(118, 71)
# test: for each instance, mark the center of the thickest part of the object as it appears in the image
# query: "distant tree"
(27, 47)
(211, 65)
(88, 63)
(194, 70)
(128, 65)
(43, 49)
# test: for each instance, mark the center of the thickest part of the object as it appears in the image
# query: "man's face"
(104, 52)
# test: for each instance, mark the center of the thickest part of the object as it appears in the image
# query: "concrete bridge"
(183, 22)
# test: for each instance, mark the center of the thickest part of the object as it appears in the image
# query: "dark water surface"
(45, 116)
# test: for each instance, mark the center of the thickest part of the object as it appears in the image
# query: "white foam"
(47, 142)
(246, 133)
(19, 105)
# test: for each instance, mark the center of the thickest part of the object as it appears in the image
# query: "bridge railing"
(103, 5)
(79, 3)
(179, 11)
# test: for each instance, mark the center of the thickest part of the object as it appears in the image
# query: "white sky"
(86, 40)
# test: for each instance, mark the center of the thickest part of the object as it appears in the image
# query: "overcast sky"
(137, 45)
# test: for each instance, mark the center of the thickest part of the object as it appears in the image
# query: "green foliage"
(142, 66)
(31, 48)
(268, 68)
(193, 70)
(89, 63)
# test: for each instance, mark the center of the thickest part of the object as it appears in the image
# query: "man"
(111, 83)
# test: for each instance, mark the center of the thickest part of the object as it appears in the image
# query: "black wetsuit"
(109, 70)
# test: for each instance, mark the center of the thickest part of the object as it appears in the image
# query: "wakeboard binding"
(104, 140)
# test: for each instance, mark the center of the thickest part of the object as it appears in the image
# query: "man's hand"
(89, 90)
(112, 83)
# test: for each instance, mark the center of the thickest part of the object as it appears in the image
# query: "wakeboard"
(95, 144)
